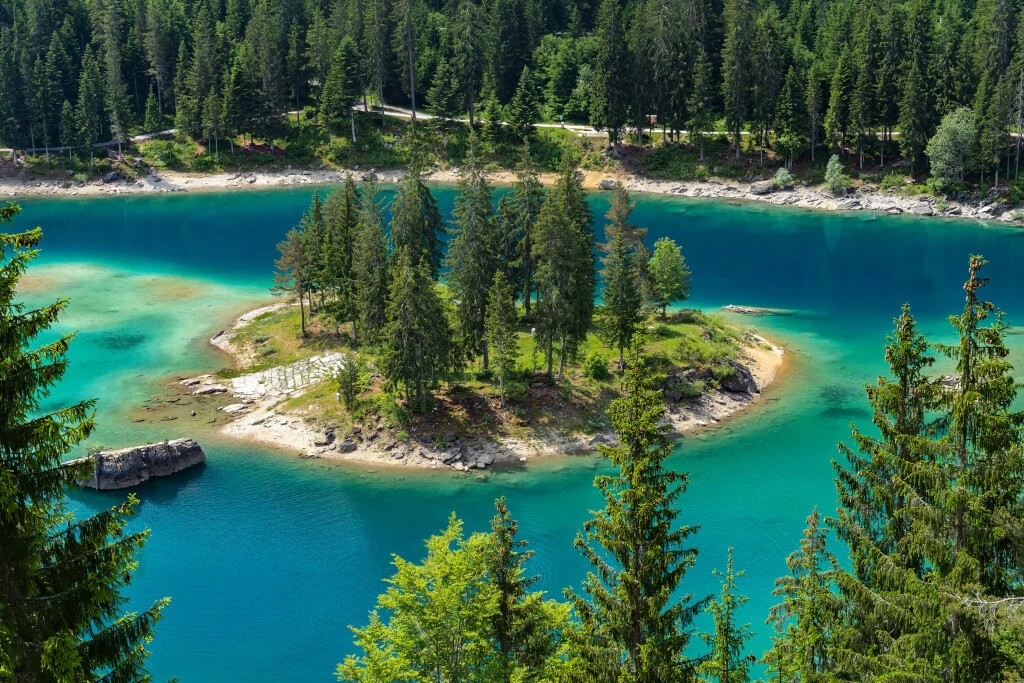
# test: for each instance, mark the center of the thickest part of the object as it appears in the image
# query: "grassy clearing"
(470, 404)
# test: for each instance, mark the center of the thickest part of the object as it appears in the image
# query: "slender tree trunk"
(302, 312)
(882, 159)
(561, 360)
(353, 117)
(412, 70)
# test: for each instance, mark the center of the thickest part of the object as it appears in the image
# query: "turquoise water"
(269, 558)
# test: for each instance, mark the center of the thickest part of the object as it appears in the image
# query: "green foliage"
(633, 628)
(621, 311)
(669, 275)
(728, 663)
(951, 149)
(835, 180)
(782, 179)
(500, 330)
(351, 381)
(595, 366)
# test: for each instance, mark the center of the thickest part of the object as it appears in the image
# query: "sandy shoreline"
(257, 417)
(866, 197)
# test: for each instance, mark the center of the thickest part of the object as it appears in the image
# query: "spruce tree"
(154, 118)
(472, 259)
(341, 214)
(416, 223)
(313, 229)
(728, 662)
(418, 348)
(736, 67)
(62, 613)
(371, 265)
(636, 629)
(341, 89)
(500, 330)
(611, 71)
(519, 221)
(565, 274)
(622, 300)
(702, 101)
(290, 277)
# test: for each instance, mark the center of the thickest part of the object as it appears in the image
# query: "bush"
(782, 179)
(596, 367)
(892, 179)
(835, 181)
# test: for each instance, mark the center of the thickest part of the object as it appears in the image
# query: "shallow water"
(269, 558)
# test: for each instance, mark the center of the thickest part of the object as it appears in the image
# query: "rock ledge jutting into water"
(130, 467)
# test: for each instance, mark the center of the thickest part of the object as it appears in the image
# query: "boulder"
(369, 176)
(762, 187)
(922, 209)
(849, 205)
(741, 381)
(130, 467)
(110, 177)
(347, 446)
(210, 389)
(679, 384)
(607, 184)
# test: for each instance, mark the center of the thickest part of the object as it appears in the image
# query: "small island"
(284, 392)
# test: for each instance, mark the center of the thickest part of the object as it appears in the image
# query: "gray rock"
(131, 466)
(762, 187)
(607, 184)
(370, 176)
(922, 209)
(454, 453)
(849, 205)
(741, 381)
(210, 389)
(111, 177)
(347, 446)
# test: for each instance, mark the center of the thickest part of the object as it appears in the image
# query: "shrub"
(515, 392)
(835, 181)
(782, 179)
(201, 164)
(596, 367)
(892, 179)
(350, 381)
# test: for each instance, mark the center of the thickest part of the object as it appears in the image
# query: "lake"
(269, 558)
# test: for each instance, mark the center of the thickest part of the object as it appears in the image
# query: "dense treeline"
(867, 76)
(929, 515)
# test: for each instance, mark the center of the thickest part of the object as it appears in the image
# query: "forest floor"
(280, 390)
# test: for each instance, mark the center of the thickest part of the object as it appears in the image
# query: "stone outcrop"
(130, 467)
(741, 381)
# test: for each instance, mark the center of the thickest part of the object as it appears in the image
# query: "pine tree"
(416, 223)
(472, 260)
(291, 271)
(670, 276)
(517, 219)
(736, 67)
(341, 213)
(500, 330)
(565, 274)
(418, 347)
(154, 119)
(789, 117)
(728, 663)
(611, 73)
(341, 89)
(522, 110)
(702, 101)
(623, 303)
(444, 96)
(766, 65)
(62, 613)
(637, 631)
(68, 126)
(313, 230)
(370, 265)
(837, 118)
(806, 620)
(88, 109)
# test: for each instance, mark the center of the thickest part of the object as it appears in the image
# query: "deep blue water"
(268, 558)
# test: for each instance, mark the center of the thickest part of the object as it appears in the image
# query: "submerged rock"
(130, 467)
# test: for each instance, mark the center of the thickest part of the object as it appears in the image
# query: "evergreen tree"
(502, 336)
(522, 110)
(517, 219)
(472, 260)
(837, 118)
(767, 71)
(565, 275)
(806, 620)
(701, 102)
(611, 73)
(789, 117)
(313, 230)
(912, 123)
(154, 119)
(341, 214)
(370, 265)
(416, 223)
(62, 612)
(68, 126)
(418, 347)
(88, 109)
(728, 663)
(736, 67)
(444, 95)
(636, 630)
(291, 267)
(341, 89)
(670, 276)
(623, 303)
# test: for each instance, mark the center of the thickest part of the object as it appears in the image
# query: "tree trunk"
(561, 360)
(622, 358)
(353, 113)
(302, 313)
(501, 388)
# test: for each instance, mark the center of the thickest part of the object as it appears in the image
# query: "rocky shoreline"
(865, 197)
(256, 416)
(129, 467)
